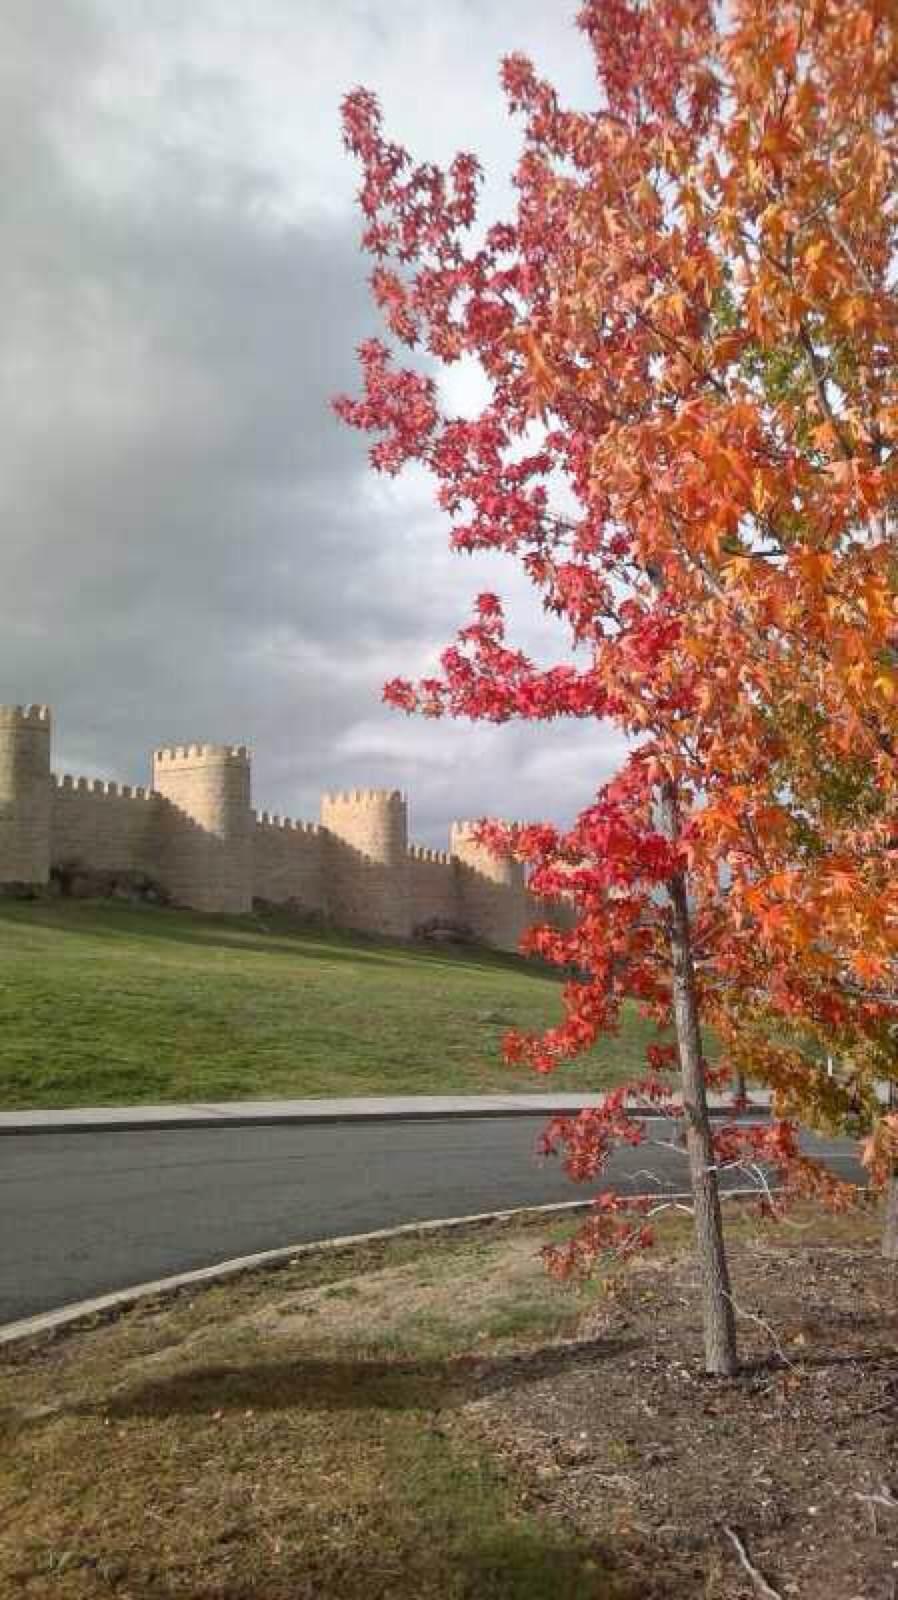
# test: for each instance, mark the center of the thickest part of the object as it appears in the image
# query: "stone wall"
(492, 890)
(433, 889)
(103, 826)
(195, 834)
(289, 863)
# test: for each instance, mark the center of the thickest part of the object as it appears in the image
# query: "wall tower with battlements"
(206, 832)
(24, 794)
(492, 890)
(367, 850)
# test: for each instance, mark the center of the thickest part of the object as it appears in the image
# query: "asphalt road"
(87, 1213)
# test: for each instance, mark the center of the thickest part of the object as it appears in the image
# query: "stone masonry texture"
(195, 833)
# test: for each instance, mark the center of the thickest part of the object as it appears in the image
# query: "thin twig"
(885, 1497)
(757, 1578)
(877, 1411)
(817, 369)
(751, 1316)
(616, 1480)
(871, 1501)
(847, 249)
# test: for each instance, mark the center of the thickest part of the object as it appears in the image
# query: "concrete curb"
(262, 1113)
(107, 1307)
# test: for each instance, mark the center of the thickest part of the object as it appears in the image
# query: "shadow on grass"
(231, 935)
(521, 1561)
(534, 1564)
(105, 919)
(319, 1383)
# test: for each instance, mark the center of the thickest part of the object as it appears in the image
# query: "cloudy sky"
(193, 547)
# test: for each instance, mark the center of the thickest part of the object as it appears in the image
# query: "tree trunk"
(890, 1221)
(717, 1302)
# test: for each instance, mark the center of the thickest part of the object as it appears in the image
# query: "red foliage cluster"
(689, 327)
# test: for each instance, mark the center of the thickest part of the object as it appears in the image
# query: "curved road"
(87, 1213)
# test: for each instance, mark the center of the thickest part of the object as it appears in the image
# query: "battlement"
(30, 716)
(417, 852)
(266, 819)
(103, 787)
(364, 797)
(462, 830)
(195, 754)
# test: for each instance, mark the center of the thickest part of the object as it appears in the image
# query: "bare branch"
(760, 1582)
(750, 1316)
(885, 1496)
(852, 255)
(818, 375)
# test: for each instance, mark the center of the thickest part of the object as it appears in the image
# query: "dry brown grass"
(284, 1436)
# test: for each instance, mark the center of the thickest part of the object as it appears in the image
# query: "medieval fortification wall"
(194, 832)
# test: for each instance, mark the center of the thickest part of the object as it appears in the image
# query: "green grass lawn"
(105, 1004)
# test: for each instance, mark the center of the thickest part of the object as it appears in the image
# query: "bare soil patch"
(624, 1439)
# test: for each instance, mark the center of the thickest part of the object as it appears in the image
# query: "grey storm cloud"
(193, 546)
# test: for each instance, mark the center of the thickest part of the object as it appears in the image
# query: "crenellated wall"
(194, 833)
(106, 826)
(433, 888)
(289, 863)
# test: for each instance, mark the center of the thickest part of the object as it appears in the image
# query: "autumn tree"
(688, 328)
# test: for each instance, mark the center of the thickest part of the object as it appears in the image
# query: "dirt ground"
(622, 1437)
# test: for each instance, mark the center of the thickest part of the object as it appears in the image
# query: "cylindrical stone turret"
(25, 794)
(368, 860)
(206, 846)
(492, 890)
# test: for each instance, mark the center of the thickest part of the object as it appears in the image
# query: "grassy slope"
(105, 1004)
